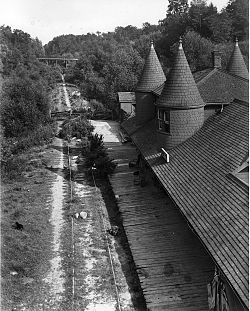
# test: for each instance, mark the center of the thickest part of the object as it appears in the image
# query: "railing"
(58, 58)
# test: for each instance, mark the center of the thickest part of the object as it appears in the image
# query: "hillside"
(112, 62)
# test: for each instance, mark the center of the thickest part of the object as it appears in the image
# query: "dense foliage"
(25, 93)
(112, 62)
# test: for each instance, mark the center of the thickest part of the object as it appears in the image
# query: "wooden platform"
(173, 267)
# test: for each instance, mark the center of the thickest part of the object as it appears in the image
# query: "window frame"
(163, 120)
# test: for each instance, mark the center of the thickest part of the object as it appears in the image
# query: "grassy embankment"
(25, 198)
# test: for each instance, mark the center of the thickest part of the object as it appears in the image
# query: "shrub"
(12, 162)
(13, 166)
(97, 106)
(99, 110)
(25, 105)
(79, 127)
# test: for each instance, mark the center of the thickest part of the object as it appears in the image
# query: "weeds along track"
(95, 279)
(98, 210)
(102, 227)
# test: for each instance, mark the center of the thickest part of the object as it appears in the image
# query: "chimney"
(216, 56)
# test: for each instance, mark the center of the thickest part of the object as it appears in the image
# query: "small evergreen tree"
(97, 159)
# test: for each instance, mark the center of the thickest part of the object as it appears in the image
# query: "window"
(164, 120)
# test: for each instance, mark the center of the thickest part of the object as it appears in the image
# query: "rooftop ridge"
(152, 74)
(180, 88)
(207, 76)
(234, 75)
(237, 64)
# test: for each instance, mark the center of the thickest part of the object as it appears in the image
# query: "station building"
(191, 130)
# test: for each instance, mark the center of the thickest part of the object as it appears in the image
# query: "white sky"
(46, 19)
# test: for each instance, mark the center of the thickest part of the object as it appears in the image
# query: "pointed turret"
(180, 108)
(180, 89)
(152, 76)
(237, 64)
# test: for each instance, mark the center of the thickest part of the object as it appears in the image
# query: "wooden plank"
(159, 237)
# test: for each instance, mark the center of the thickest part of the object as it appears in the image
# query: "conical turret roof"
(236, 63)
(152, 74)
(180, 89)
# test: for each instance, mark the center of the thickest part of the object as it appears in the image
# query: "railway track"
(80, 178)
(79, 231)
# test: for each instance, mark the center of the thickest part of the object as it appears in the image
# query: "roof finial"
(180, 44)
(152, 43)
(236, 41)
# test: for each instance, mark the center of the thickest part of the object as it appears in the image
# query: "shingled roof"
(130, 125)
(217, 86)
(199, 178)
(152, 74)
(237, 64)
(180, 89)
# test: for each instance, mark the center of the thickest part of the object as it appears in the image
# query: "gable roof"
(237, 64)
(152, 74)
(180, 89)
(126, 97)
(198, 178)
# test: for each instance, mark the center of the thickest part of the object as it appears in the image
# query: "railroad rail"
(104, 231)
(61, 116)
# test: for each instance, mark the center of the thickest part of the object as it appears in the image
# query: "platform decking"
(173, 267)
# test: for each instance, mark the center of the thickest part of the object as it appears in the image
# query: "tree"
(238, 10)
(128, 33)
(27, 82)
(220, 26)
(173, 27)
(25, 105)
(197, 50)
(147, 28)
(121, 73)
(199, 14)
(177, 7)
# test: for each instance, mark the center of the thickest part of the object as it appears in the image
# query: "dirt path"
(66, 96)
(34, 270)
(55, 277)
